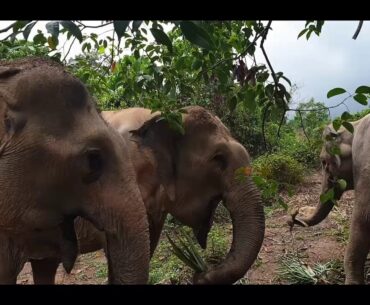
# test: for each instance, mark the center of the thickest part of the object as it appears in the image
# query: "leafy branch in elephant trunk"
(186, 251)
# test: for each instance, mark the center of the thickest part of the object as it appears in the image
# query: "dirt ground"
(321, 243)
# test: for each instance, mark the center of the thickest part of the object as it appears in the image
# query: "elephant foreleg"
(11, 260)
(359, 242)
(44, 271)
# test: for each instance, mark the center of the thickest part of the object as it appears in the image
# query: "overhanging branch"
(358, 29)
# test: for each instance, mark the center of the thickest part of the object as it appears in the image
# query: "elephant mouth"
(201, 233)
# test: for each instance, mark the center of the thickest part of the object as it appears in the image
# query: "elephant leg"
(358, 246)
(11, 260)
(44, 270)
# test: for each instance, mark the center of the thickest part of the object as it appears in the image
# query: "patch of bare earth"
(89, 269)
(321, 243)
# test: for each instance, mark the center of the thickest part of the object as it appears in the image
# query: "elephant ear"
(157, 135)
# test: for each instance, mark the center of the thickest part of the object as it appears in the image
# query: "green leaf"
(232, 103)
(360, 98)
(346, 116)
(137, 54)
(196, 35)
(363, 90)
(53, 42)
(19, 24)
(262, 77)
(136, 25)
(196, 64)
(248, 32)
(162, 38)
(308, 34)
(328, 196)
(73, 29)
(348, 126)
(167, 87)
(53, 28)
(334, 150)
(269, 89)
(28, 29)
(101, 50)
(258, 180)
(39, 39)
(176, 126)
(337, 123)
(302, 33)
(120, 27)
(335, 91)
(342, 184)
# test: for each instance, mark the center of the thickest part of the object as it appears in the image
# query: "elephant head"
(197, 171)
(59, 160)
(333, 167)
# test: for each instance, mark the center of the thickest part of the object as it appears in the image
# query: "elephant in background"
(187, 176)
(58, 160)
(353, 165)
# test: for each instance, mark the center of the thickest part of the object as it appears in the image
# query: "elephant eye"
(220, 160)
(95, 165)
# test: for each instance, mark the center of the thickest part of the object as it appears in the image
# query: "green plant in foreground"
(186, 251)
(295, 271)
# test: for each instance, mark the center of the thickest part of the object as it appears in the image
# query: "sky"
(331, 60)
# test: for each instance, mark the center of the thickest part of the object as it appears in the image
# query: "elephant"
(187, 175)
(352, 165)
(60, 160)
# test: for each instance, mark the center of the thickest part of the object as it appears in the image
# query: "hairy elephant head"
(197, 170)
(334, 167)
(59, 160)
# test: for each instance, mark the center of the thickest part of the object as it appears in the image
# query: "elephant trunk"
(322, 209)
(244, 203)
(121, 215)
(321, 212)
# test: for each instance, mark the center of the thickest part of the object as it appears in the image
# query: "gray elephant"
(187, 176)
(59, 160)
(353, 165)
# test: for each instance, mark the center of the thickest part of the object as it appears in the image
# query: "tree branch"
(263, 126)
(358, 29)
(10, 35)
(112, 52)
(243, 53)
(323, 108)
(7, 28)
(281, 123)
(94, 26)
(265, 54)
(304, 130)
(69, 50)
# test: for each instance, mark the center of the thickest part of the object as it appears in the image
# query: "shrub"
(279, 167)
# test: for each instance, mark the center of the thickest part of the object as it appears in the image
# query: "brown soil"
(321, 243)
